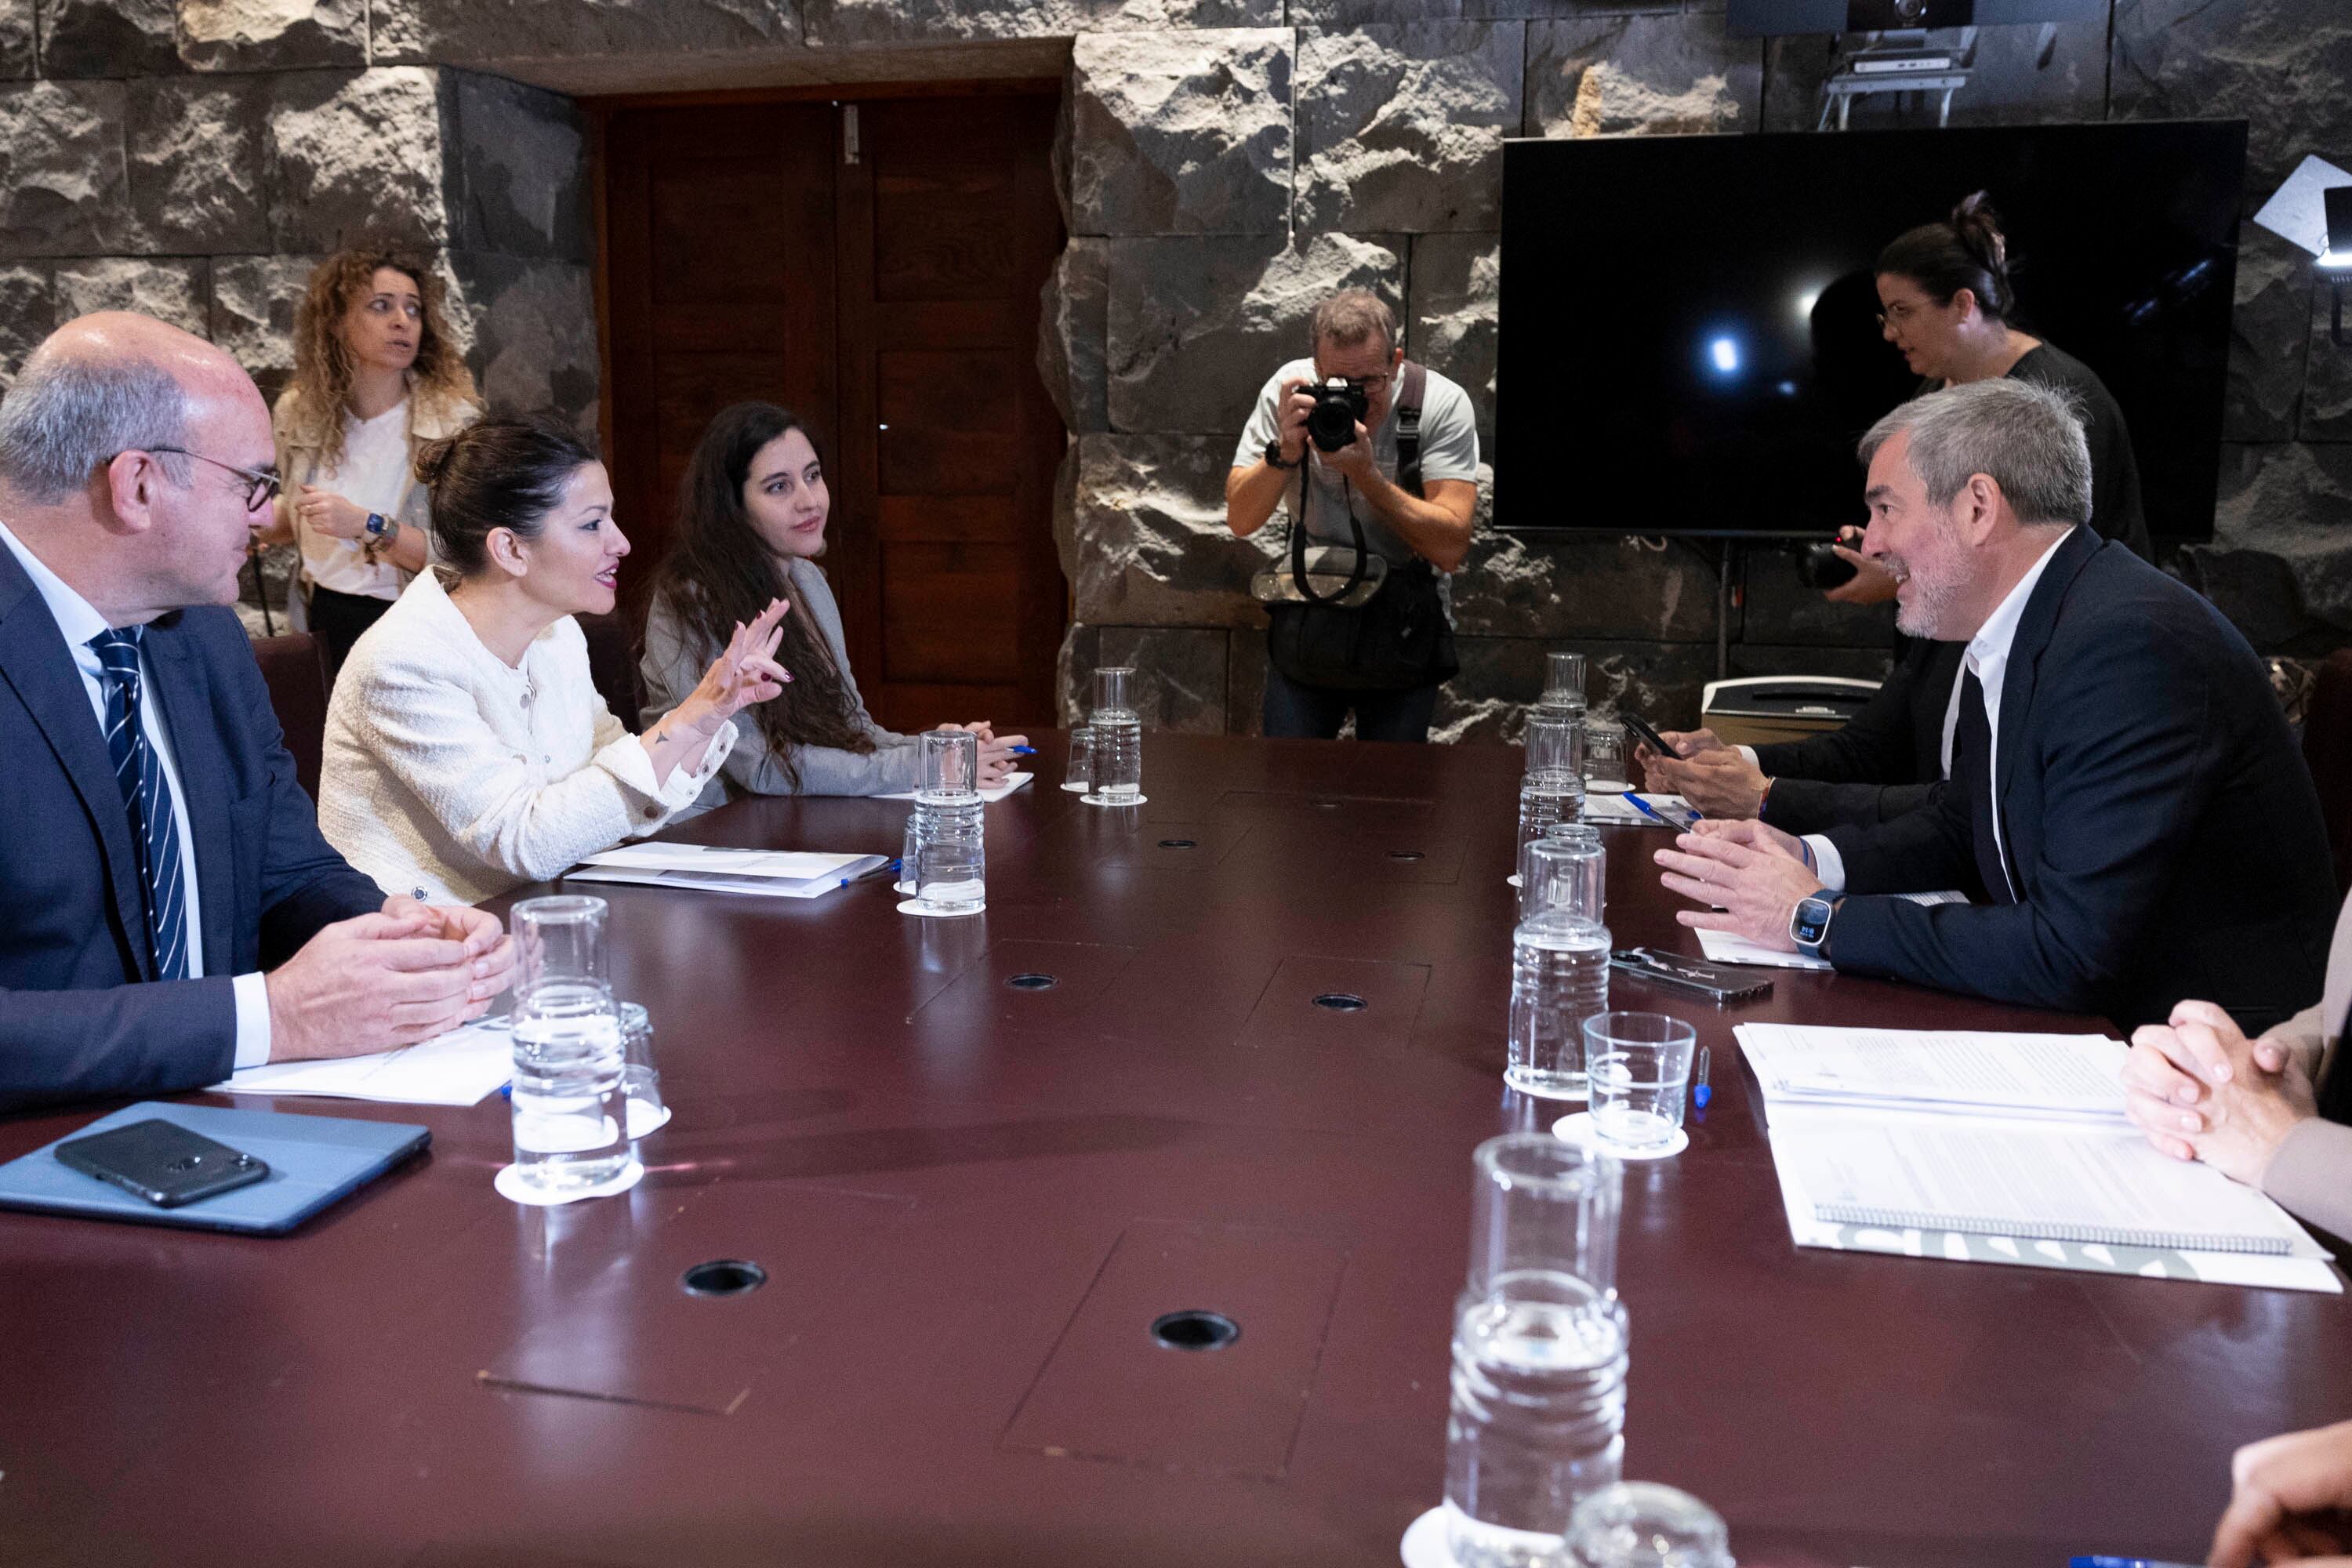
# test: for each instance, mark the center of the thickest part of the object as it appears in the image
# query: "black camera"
(1819, 565)
(1339, 406)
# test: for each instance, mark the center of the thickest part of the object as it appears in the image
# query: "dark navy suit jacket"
(2162, 832)
(74, 1019)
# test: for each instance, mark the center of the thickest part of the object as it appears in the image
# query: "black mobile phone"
(162, 1161)
(1645, 734)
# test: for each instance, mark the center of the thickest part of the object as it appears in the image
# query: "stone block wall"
(1224, 162)
(193, 159)
(1223, 176)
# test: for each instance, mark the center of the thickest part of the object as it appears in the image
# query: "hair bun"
(433, 459)
(1978, 228)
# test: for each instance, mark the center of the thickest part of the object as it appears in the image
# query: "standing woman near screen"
(375, 377)
(1945, 304)
(752, 518)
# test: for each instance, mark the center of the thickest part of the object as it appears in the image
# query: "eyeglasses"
(264, 484)
(1899, 312)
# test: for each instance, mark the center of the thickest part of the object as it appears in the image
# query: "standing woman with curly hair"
(752, 518)
(375, 377)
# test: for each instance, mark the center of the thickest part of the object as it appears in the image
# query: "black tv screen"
(1689, 324)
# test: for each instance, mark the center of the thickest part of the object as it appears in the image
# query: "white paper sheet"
(1723, 947)
(460, 1068)
(2035, 1177)
(1960, 1071)
(1011, 781)
(1617, 811)
(761, 873)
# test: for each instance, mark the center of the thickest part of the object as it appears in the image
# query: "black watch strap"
(1275, 459)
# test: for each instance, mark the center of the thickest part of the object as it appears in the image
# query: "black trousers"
(338, 619)
(1315, 712)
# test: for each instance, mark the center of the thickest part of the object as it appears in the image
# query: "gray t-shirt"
(1449, 450)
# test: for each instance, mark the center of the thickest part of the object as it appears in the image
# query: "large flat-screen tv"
(1689, 324)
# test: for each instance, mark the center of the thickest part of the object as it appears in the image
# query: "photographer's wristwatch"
(1809, 923)
(1275, 459)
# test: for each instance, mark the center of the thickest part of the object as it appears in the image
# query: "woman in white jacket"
(466, 750)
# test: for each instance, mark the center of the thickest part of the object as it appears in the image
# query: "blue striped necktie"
(147, 796)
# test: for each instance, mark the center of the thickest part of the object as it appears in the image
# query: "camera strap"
(1298, 542)
(1412, 384)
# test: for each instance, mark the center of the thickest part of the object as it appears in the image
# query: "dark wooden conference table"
(972, 1200)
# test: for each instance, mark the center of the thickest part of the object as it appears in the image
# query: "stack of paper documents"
(1619, 810)
(766, 873)
(459, 1068)
(2001, 1148)
(1011, 781)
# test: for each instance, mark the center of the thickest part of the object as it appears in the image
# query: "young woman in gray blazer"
(752, 519)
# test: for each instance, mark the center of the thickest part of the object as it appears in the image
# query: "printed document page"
(991, 795)
(460, 1068)
(1962, 1070)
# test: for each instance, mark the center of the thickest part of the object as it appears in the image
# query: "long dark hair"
(494, 474)
(1966, 250)
(718, 571)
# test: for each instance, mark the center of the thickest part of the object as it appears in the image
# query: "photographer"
(1379, 457)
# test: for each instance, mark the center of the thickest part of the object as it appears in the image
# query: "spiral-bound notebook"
(2001, 1148)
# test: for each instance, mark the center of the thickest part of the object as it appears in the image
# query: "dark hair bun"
(433, 460)
(1966, 250)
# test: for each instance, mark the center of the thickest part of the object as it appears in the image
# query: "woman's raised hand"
(745, 671)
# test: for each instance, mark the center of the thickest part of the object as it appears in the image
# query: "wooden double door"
(875, 267)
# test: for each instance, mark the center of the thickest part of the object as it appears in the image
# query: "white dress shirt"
(79, 623)
(1988, 659)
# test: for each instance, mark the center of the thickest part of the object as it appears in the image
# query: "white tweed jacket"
(450, 776)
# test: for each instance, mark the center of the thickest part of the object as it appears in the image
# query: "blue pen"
(1023, 751)
(1700, 1092)
(885, 868)
(2098, 1561)
(1646, 809)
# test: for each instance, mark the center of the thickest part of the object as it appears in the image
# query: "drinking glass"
(1118, 772)
(909, 844)
(951, 764)
(1573, 876)
(1640, 1524)
(1563, 691)
(1079, 774)
(1607, 764)
(1554, 746)
(1639, 1067)
(640, 1079)
(1536, 1417)
(570, 1107)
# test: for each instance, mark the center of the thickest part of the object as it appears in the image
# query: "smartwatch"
(381, 529)
(1809, 924)
(1275, 459)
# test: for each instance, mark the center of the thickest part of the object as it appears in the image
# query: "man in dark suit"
(2123, 787)
(158, 856)
(1880, 764)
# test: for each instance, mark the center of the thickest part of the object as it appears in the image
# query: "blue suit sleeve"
(126, 1039)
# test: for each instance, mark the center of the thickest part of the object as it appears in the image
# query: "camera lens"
(1820, 565)
(1331, 423)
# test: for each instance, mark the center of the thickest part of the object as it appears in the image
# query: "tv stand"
(1897, 61)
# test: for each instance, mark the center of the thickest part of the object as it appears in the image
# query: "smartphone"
(1645, 734)
(162, 1161)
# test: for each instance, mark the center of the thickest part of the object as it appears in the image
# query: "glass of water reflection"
(1639, 1067)
(571, 1101)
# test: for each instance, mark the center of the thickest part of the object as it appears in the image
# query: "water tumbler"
(1607, 764)
(1117, 740)
(1640, 1065)
(1079, 774)
(1563, 692)
(571, 1109)
(1537, 1416)
(1640, 1524)
(640, 1079)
